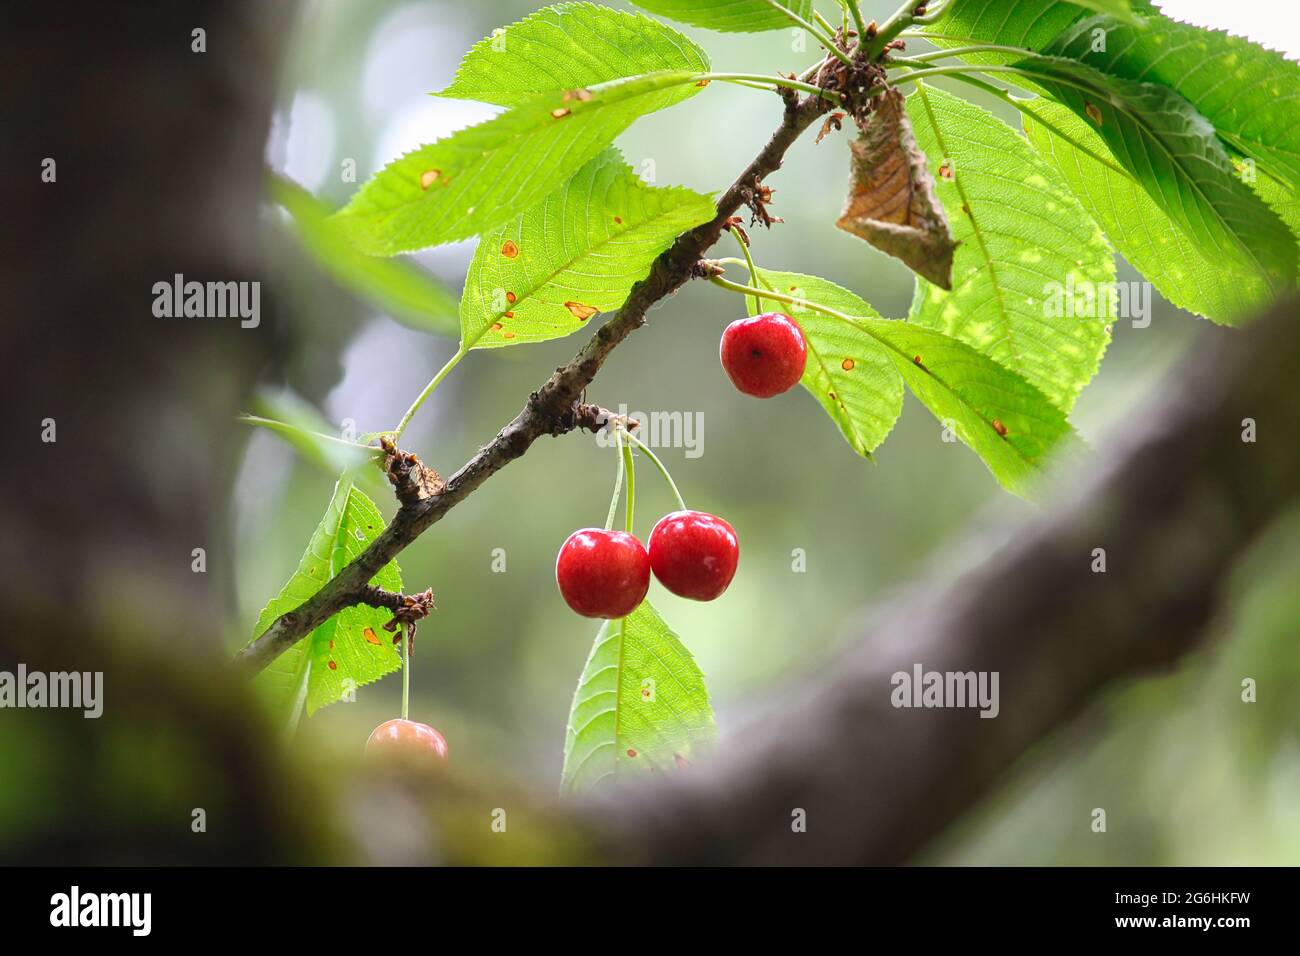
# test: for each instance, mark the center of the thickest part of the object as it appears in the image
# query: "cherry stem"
(958, 51)
(764, 82)
(630, 467)
(749, 260)
(852, 7)
(824, 23)
(782, 297)
(618, 481)
(428, 390)
(406, 672)
(663, 470)
(817, 34)
(900, 20)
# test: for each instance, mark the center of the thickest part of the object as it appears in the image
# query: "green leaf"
(1023, 238)
(848, 373)
(1249, 93)
(1215, 287)
(1031, 24)
(571, 46)
(1008, 422)
(577, 253)
(397, 287)
(1120, 9)
(351, 648)
(296, 421)
(729, 16)
(488, 174)
(1004, 419)
(1172, 151)
(1281, 199)
(641, 705)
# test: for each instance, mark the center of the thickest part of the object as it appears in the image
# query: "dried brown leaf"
(891, 202)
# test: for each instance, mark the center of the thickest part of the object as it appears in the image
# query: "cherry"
(602, 573)
(763, 355)
(694, 554)
(407, 739)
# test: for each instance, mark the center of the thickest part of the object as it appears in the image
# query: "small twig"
(412, 479)
(408, 609)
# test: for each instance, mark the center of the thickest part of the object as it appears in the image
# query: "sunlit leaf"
(730, 16)
(488, 174)
(1031, 24)
(1172, 151)
(1248, 93)
(1004, 419)
(848, 373)
(571, 46)
(574, 255)
(1216, 287)
(1024, 240)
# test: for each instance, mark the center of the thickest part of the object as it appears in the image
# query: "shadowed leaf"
(337, 657)
(641, 705)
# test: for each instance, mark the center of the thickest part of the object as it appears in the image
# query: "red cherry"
(694, 554)
(763, 355)
(407, 739)
(602, 573)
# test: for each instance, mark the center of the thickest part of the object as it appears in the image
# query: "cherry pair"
(607, 573)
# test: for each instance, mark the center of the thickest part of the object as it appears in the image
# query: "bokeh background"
(1187, 772)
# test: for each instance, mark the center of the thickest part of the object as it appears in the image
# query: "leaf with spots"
(577, 253)
(571, 46)
(730, 16)
(1025, 241)
(641, 706)
(1004, 419)
(1172, 151)
(1211, 286)
(351, 648)
(483, 176)
(1248, 93)
(848, 373)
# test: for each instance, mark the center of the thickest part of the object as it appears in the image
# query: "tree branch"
(549, 410)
